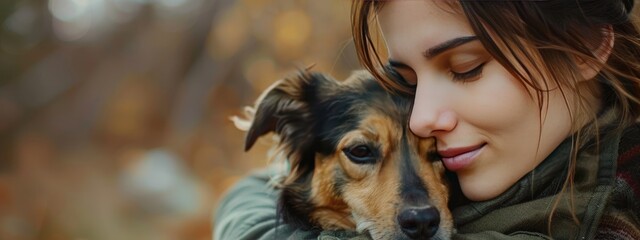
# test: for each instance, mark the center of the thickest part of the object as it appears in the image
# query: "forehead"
(368, 98)
(356, 106)
(411, 24)
(376, 126)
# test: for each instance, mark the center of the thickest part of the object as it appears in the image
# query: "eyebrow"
(452, 43)
(438, 49)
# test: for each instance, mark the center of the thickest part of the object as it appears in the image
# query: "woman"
(533, 105)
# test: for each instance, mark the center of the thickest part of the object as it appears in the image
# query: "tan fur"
(372, 190)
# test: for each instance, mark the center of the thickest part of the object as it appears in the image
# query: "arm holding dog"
(248, 211)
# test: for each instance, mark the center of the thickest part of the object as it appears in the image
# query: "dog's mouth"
(411, 224)
(440, 234)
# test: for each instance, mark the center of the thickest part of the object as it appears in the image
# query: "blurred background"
(114, 114)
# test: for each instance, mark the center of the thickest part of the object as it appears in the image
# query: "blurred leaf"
(229, 33)
(292, 29)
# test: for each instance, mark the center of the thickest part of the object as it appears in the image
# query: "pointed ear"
(285, 109)
(602, 51)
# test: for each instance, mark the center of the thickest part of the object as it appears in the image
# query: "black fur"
(412, 188)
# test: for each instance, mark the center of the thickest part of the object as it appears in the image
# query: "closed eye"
(470, 75)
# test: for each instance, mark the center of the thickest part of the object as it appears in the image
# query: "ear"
(601, 52)
(285, 109)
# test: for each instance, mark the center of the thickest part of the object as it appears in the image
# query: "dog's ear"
(285, 108)
(291, 108)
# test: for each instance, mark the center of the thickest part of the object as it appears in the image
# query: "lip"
(458, 158)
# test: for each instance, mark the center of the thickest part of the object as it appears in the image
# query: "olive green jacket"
(522, 212)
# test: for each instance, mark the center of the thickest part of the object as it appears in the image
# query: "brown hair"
(540, 40)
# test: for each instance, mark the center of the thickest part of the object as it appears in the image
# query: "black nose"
(419, 222)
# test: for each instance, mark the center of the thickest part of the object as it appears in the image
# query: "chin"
(479, 189)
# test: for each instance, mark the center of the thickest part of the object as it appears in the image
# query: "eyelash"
(461, 77)
(467, 76)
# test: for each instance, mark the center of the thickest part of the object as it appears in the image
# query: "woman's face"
(489, 129)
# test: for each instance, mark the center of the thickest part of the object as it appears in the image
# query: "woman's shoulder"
(620, 220)
(628, 162)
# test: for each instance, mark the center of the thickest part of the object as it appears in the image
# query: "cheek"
(499, 102)
(355, 171)
(374, 198)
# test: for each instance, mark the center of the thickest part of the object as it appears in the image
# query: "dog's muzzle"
(419, 222)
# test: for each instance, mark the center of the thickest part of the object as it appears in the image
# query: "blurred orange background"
(114, 114)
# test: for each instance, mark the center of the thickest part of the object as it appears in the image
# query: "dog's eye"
(360, 151)
(360, 154)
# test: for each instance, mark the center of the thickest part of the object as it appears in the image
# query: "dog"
(353, 162)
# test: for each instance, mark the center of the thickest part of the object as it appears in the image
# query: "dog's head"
(354, 164)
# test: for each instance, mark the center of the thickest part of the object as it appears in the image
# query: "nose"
(426, 120)
(419, 222)
(433, 110)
